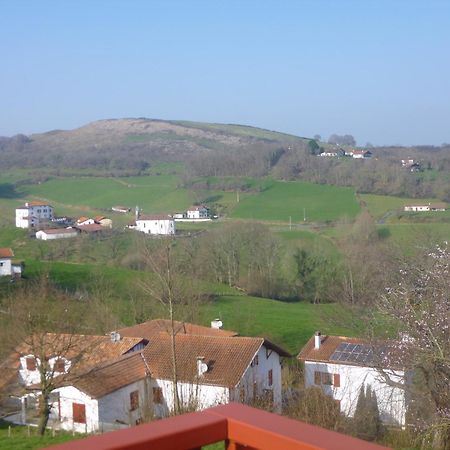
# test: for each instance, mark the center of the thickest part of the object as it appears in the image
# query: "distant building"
(103, 221)
(342, 366)
(84, 221)
(90, 228)
(50, 234)
(198, 212)
(32, 214)
(7, 266)
(361, 154)
(422, 207)
(154, 224)
(121, 209)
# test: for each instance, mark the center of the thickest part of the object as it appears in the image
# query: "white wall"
(257, 376)
(391, 400)
(48, 237)
(200, 396)
(166, 227)
(5, 266)
(20, 214)
(116, 408)
(34, 214)
(68, 396)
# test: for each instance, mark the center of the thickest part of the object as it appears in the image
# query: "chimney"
(317, 340)
(115, 336)
(202, 367)
(216, 324)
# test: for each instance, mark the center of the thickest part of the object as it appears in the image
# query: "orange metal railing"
(240, 426)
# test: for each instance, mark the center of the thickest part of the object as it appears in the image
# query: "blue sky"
(379, 70)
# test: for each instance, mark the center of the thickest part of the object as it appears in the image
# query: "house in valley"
(103, 221)
(342, 366)
(121, 209)
(127, 377)
(198, 212)
(9, 268)
(33, 214)
(361, 154)
(163, 224)
(423, 207)
(90, 228)
(83, 220)
(49, 234)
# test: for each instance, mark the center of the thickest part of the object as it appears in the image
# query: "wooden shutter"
(31, 363)
(270, 376)
(157, 396)
(79, 412)
(336, 380)
(317, 379)
(134, 400)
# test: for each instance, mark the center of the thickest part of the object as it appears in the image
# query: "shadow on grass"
(8, 190)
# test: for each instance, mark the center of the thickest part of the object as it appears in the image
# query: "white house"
(340, 366)
(361, 154)
(421, 207)
(84, 221)
(7, 266)
(128, 377)
(154, 224)
(198, 212)
(6, 255)
(56, 233)
(32, 214)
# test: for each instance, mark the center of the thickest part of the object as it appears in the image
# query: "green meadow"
(284, 199)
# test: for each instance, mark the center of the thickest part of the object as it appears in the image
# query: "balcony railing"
(239, 426)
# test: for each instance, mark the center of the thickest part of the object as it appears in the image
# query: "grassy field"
(19, 439)
(282, 200)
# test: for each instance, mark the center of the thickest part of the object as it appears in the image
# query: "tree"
(317, 137)
(313, 147)
(366, 420)
(419, 309)
(346, 139)
(168, 284)
(40, 320)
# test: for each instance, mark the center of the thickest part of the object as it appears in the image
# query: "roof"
(59, 231)
(438, 205)
(154, 217)
(90, 228)
(6, 253)
(333, 350)
(152, 328)
(109, 377)
(82, 219)
(98, 218)
(227, 358)
(36, 203)
(89, 350)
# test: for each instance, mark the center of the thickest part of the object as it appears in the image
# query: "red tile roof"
(90, 228)
(6, 253)
(111, 376)
(152, 328)
(60, 231)
(154, 217)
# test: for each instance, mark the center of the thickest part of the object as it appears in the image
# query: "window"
(1, 264)
(134, 400)
(242, 394)
(327, 379)
(60, 365)
(270, 377)
(255, 361)
(31, 363)
(157, 396)
(79, 412)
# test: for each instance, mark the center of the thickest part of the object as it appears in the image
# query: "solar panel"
(360, 353)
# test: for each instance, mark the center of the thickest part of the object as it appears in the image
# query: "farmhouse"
(32, 214)
(56, 233)
(84, 221)
(121, 209)
(154, 224)
(361, 154)
(90, 228)
(198, 212)
(7, 266)
(103, 221)
(421, 207)
(122, 379)
(341, 366)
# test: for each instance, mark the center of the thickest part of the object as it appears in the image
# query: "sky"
(379, 70)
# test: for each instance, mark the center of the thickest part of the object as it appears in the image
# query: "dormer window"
(31, 363)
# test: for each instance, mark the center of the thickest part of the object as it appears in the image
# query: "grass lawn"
(287, 324)
(19, 439)
(282, 200)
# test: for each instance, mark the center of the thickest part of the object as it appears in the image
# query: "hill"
(131, 146)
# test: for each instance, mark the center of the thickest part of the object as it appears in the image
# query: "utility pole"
(304, 214)
(290, 223)
(237, 196)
